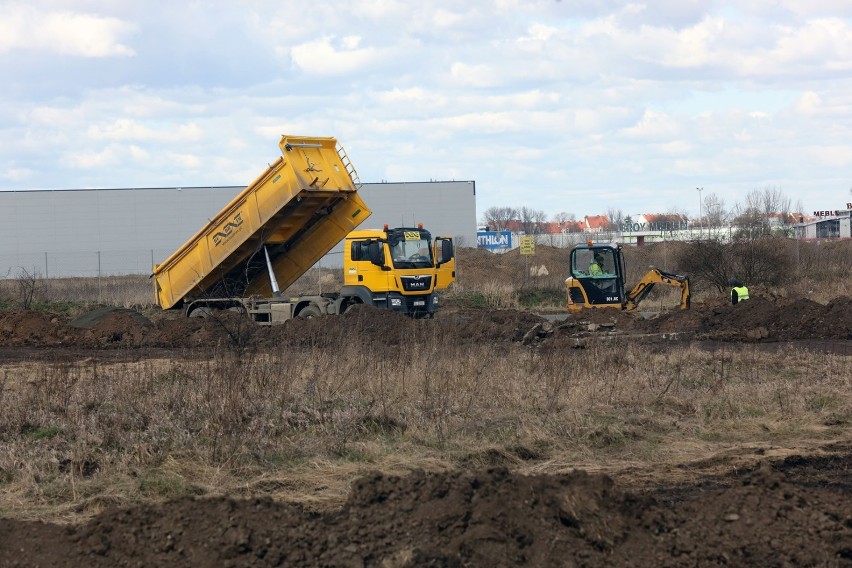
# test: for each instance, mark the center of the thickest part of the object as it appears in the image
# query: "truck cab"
(397, 268)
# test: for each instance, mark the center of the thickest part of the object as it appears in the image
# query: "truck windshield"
(410, 249)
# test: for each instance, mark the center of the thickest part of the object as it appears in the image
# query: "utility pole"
(700, 222)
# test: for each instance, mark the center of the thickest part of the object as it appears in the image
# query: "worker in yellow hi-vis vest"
(739, 291)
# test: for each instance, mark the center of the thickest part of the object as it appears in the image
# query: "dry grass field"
(486, 436)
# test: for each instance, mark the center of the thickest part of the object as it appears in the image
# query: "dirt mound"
(385, 328)
(23, 327)
(97, 317)
(758, 319)
(109, 326)
(476, 326)
(761, 318)
(479, 518)
(361, 323)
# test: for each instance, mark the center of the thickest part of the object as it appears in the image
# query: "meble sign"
(494, 239)
(830, 213)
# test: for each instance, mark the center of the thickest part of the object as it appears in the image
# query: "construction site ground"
(741, 504)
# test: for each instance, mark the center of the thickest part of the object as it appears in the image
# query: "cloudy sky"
(575, 106)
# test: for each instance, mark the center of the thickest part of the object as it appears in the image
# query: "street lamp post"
(700, 222)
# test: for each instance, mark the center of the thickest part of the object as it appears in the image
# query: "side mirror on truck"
(376, 253)
(446, 246)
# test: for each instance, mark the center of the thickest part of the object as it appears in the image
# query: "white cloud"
(351, 42)
(16, 175)
(187, 161)
(809, 103)
(127, 129)
(654, 126)
(824, 42)
(138, 153)
(90, 159)
(26, 28)
(54, 116)
(321, 57)
(446, 18)
(380, 9)
(678, 147)
(479, 76)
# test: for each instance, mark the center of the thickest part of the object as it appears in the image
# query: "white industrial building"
(97, 232)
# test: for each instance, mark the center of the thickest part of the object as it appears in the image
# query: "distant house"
(775, 220)
(572, 227)
(595, 223)
(561, 227)
(513, 225)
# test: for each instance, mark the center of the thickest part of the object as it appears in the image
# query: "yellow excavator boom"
(657, 276)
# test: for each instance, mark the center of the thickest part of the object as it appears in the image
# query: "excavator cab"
(597, 277)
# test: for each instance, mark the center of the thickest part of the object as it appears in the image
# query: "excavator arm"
(656, 276)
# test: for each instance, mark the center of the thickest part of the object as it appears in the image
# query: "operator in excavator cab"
(596, 266)
(739, 291)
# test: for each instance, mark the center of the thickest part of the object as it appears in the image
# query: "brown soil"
(758, 320)
(794, 510)
(479, 518)
(764, 517)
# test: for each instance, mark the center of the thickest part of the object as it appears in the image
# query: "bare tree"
(497, 218)
(775, 201)
(762, 260)
(752, 217)
(709, 261)
(714, 211)
(616, 218)
(532, 219)
(562, 217)
(29, 285)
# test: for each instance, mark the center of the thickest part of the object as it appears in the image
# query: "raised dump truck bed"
(297, 210)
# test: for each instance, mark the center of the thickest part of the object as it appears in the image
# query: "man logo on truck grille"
(228, 230)
(417, 282)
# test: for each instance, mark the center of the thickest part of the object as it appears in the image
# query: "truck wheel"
(349, 305)
(309, 312)
(202, 312)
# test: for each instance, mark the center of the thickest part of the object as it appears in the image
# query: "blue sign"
(493, 240)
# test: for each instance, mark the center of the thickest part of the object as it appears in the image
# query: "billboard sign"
(494, 240)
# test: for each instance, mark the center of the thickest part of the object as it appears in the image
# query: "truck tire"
(201, 312)
(309, 312)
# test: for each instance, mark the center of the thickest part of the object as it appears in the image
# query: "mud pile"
(479, 518)
(118, 328)
(759, 319)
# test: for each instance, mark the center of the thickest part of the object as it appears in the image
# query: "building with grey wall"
(837, 226)
(91, 232)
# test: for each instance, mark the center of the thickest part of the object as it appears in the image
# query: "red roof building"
(595, 223)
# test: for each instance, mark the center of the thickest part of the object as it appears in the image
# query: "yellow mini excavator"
(597, 280)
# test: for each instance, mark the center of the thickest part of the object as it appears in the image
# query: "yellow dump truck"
(279, 226)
